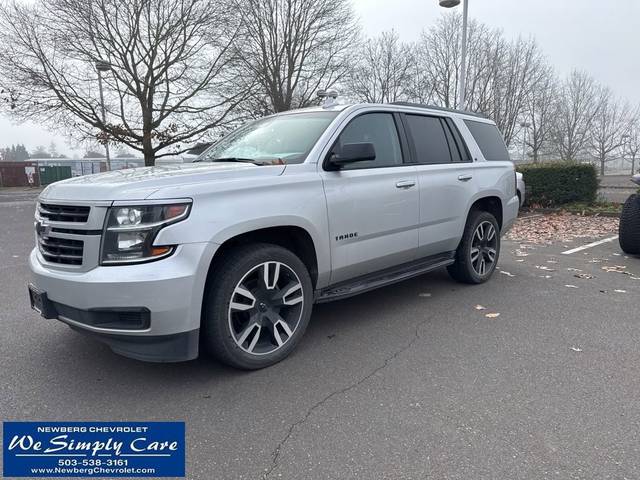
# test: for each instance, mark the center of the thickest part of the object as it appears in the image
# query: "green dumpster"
(51, 173)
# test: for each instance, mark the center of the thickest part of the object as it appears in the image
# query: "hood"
(140, 183)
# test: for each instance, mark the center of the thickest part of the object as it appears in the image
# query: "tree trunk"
(601, 167)
(147, 144)
(633, 165)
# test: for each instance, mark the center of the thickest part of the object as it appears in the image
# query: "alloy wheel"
(265, 308)
(484, 248)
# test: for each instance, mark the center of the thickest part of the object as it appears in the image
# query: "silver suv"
(231, 252)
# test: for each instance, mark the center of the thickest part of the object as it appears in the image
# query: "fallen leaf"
(507, 273)
(563, 227)
(616, 269)
(571, 286)
(576, 349)
(519, 261)
(616, 254)
(546, 276)
(583, 275)
(480, 307)
(620, 291)
(552, 261)
(545, 268)
(492, 315)
(427, 295)
(574, 269)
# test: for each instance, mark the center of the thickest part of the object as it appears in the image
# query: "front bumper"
(162, 300)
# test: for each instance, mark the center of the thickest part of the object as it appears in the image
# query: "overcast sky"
(599, 36)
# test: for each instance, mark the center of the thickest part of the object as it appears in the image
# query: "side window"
(459, 144)
(429, 139)
(489, 139)
(379, 129)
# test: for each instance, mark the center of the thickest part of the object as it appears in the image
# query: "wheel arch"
(492, 204)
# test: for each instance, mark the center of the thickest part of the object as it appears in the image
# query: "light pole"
(525, 126)
(102, 66)
(463, 67)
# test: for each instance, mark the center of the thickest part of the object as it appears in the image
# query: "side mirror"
(351, 153)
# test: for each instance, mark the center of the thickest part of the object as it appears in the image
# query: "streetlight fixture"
(525, 126)
(102, 66)
(463, 66)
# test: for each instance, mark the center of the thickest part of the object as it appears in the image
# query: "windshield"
(271, 140)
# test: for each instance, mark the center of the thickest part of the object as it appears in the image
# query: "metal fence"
(39, 173)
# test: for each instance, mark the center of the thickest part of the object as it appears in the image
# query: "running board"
(385, 277)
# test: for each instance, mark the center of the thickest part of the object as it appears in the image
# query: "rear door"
(445, 178)
(372, 205)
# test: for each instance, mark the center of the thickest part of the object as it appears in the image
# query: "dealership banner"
(93, 449)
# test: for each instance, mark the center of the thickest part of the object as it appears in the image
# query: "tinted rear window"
(429, 139)
(489, 139)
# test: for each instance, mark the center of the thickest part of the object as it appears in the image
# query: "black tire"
(463, 269)
(629, 230)
(218, 337)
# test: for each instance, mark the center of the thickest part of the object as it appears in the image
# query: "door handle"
(405, 184)
(465, 177)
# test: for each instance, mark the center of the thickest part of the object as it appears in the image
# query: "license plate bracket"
(40, 303)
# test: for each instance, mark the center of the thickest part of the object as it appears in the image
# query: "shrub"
(551, 184)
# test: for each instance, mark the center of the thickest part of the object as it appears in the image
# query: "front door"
(372, 205)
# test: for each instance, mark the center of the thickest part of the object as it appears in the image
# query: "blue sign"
(93, 449)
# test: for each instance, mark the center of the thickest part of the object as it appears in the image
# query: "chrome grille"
(63, 213)
(61, 250)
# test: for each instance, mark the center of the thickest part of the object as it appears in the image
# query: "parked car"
(307, 206)
(629, 230)
(521, 190)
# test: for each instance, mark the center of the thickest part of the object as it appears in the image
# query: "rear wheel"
(629, 230)
(258, 306)
(477, 255)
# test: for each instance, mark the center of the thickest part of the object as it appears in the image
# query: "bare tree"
(541, 110)
(610, 123)
(577, 110)
(169, 79)
(382, 71)
(500, 74)
(631, 138)
(292, 48)
(513, 78)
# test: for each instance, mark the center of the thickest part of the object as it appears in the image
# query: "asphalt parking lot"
(410, 382)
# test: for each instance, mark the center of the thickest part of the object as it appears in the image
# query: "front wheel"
(477, 255)
(258, 306)
(629, 230)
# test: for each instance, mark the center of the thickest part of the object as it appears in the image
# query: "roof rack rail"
(442, 109)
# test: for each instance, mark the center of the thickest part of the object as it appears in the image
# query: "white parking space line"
(590, 245)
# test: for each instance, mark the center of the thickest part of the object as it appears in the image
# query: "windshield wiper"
(235, 159)
(277, 161)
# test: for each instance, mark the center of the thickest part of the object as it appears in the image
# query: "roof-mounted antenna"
(328, 97)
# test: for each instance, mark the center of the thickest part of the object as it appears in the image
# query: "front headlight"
(129, 232)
